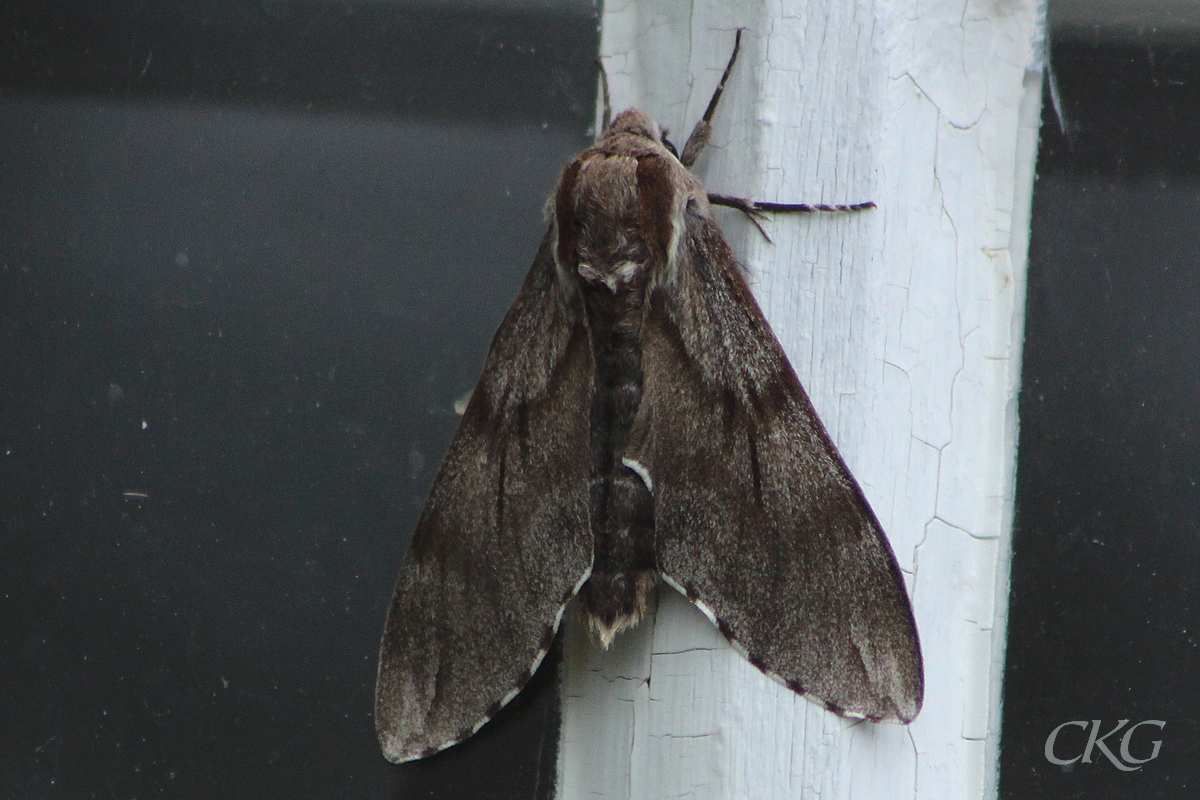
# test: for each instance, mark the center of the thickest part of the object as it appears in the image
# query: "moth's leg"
(703, 130)
(757, 212)
(753, 209)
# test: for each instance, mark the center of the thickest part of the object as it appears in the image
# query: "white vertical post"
(904, 324)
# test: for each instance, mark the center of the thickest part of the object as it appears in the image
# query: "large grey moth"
(637, 421)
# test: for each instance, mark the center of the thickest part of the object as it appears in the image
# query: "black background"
(250, 255)
(1105, 608)
(252, 252)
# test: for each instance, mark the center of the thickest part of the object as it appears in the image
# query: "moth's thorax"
(619, 207)
(610, 249)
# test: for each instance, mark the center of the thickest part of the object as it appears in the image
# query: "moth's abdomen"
(623, 570)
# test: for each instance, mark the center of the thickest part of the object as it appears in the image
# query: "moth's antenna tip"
(606, 115)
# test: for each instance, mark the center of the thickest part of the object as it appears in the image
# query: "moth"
(637, 421)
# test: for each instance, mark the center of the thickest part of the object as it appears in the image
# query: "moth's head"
(638, 123)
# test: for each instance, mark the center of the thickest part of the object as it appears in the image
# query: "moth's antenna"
(607, 116)
(703, 130)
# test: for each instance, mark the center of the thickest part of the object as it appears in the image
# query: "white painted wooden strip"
(904, 325)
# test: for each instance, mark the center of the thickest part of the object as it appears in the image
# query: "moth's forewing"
(757, 518)
(503, 541)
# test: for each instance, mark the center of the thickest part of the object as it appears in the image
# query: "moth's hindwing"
(757, 518)
(504, 539)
